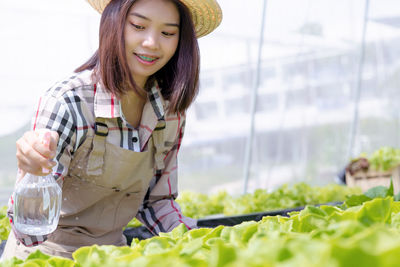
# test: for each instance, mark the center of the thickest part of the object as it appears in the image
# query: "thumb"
(50, 140)
(53, 141)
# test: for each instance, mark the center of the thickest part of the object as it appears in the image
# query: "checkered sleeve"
(59, 114)
(160, 212)
(53, 113)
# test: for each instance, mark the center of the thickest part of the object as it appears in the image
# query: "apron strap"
(159, 144)
(96, 156)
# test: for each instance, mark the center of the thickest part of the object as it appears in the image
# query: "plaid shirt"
(70, 107)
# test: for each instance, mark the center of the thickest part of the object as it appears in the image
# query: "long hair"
(178, 79)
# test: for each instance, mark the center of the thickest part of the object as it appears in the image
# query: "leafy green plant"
(197, 205)
(361, 235)
(365, 235)
(4, 224)
(383, 159)
(38, 259)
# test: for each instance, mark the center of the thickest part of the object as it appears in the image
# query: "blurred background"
(290, 89)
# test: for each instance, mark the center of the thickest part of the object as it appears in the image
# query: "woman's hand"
(35, 152)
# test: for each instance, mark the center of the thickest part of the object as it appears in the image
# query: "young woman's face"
(151, 37)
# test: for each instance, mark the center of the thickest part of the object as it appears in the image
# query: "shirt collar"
(106, 104)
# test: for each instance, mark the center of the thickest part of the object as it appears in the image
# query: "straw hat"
(206, 14)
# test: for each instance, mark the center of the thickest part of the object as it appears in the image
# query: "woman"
(117, 124)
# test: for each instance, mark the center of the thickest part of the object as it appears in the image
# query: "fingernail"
(45, 170)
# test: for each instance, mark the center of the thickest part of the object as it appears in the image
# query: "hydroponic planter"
(216, 220)
(141, 232)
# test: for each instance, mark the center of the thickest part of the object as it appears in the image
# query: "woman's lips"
(146, 59)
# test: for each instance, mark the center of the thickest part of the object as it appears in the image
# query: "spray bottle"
(37, 202)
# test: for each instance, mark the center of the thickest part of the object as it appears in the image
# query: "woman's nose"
(151, 41)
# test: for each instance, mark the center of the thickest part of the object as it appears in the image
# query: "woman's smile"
(146, 59)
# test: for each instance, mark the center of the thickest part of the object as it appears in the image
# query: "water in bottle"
(37, 202)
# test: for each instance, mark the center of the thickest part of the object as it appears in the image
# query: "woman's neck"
(132, 106)
(140, 81)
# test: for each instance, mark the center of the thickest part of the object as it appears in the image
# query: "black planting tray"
(220, 219)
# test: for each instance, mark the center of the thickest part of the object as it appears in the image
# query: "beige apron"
(103, 191)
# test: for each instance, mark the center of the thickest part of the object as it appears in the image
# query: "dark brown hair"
(178, 79)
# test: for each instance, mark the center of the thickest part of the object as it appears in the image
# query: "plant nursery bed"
(216, 220)
(212, 221)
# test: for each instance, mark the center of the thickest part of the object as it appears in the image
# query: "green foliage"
(4, 224)
(197, 205)
(384, 159)
(38, 259)
(366, 234)
(134, 223)
(375, 192)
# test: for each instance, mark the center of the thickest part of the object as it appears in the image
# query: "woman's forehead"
(161, 10)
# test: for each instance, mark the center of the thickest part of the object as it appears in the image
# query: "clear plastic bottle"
(37, 203)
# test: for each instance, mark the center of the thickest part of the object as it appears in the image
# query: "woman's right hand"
(35, 152)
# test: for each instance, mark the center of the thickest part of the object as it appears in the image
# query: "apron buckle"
(100, 129)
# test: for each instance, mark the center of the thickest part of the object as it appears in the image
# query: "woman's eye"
(168, 33)
(137, 26)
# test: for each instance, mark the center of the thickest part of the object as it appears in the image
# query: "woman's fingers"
(53, 143)
(29, 160)
(35, 156)
(43, 142)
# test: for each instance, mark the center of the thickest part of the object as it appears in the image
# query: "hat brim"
(206, 14)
